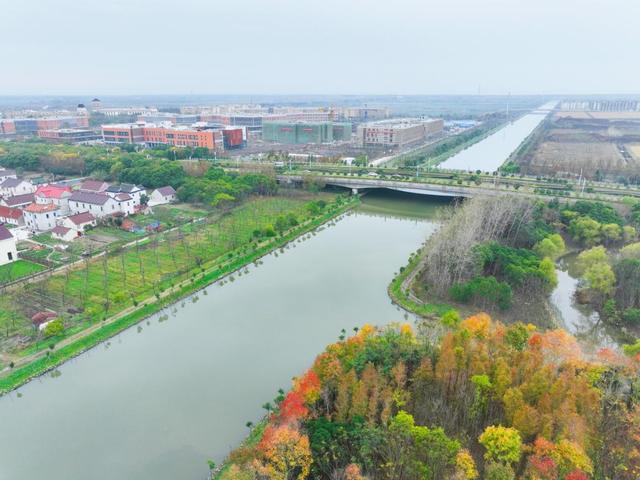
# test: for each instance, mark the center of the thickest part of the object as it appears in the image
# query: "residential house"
(6, 173)
(162, 195)
(98, 204)
(79, 221)
(16, 186)
(63, 233)
(8, 249)
(94, 186)
(41, 218)
(12, 216)
(18, 201)
(126, 203)
(135, 191)
(56, 194)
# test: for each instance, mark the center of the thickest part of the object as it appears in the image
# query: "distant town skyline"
(332, 47)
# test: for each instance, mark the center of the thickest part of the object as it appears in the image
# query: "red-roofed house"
(79, 221)
(41, 218)
(56, 194)
(12, 216)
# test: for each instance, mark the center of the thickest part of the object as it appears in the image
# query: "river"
(162, 397)
(490, 153)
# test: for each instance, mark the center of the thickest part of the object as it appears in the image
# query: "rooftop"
(19, 199)
(90, 197)
(52, 191)
(5, 234)
(41, 208)
(81, 218)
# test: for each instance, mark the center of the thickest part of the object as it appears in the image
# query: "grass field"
(18, 269)
(103, 286)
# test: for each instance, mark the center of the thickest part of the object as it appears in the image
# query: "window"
(10, 256)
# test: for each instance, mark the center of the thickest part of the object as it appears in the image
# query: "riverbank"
(42, 362)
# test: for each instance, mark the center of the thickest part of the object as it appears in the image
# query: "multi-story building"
(178, 136)
(397, 132)
(41, 218)
(55, 194)
(69, 135)
(123, 133)
(365, 114)
(290, 132)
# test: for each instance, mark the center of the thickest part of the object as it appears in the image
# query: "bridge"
(421, 188)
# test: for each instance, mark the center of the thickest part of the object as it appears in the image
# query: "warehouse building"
(397, 132)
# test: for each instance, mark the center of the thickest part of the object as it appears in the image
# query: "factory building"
(397, 132)
(291, 132)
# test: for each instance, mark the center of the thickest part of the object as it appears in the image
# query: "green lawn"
(18, 269)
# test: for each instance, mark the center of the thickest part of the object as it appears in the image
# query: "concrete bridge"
(363, 183)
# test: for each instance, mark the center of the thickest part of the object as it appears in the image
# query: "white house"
(63, 233)
(6, 173)
(16, 186)
(56, 194)
(162, 195)
(135, 191)
(12, 216)
(79, 221)
(41, 218)
(98, 204)
(8, 249)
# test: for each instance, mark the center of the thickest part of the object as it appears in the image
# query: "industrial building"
(397, 132)
(292, 132)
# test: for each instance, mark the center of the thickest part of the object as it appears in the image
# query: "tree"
(630, 252)
(498, 471)
(286, 453)
(591, 257)
(600, 278)
(502, 444)
(586, 230)
(551, 246)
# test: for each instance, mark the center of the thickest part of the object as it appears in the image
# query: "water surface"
(490, 153)
(161, 398)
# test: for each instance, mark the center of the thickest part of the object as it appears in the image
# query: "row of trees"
(486, 401)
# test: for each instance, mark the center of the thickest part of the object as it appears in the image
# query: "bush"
(485, 289)
(631, 316)
(54, 328)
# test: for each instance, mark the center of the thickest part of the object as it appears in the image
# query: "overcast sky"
(322, 46)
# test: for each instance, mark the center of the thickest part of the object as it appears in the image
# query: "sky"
(400, 47)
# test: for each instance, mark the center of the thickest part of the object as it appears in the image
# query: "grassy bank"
(193, 280)
(399, 291)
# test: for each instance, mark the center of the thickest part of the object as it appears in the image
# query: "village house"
(135, 191)
(8, 249)
(16, 186)
(56, 194)
(94, 186)
(41, 218)
(18, 201)
(63, 233)
(78, 222)
(162, 196)
(6, 173)
(98, 204)
(11, 216)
